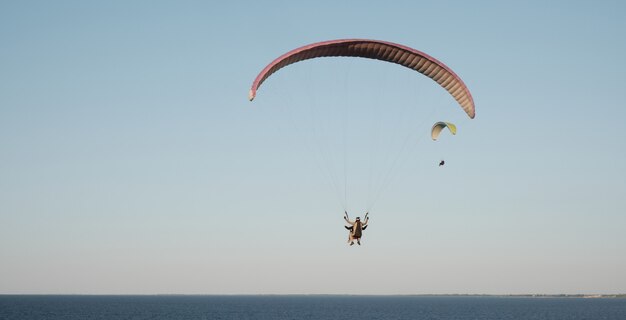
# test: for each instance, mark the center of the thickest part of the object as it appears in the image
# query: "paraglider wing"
(379, 50)
(437, 127)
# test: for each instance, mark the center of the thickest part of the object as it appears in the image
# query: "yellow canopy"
(437, 127)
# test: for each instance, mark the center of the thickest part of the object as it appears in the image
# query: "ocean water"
(307, 307)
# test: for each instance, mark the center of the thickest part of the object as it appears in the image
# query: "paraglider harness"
(351, 228)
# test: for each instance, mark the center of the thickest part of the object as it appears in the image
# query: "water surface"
(35, 307)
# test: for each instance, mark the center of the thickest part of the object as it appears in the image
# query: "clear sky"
(131, 160)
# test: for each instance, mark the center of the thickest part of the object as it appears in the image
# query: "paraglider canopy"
(438, 127)
(379, 50)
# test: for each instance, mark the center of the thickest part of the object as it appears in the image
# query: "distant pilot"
(442, 163)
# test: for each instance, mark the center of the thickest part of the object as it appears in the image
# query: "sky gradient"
(131, 160)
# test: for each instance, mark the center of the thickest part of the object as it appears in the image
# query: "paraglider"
(436, 131)
(356, 228)
(383, 51)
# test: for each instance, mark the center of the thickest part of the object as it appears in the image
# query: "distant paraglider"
(436, 131)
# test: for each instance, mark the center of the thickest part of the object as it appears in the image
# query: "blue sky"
(132, 161)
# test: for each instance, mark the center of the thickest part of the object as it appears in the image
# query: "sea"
(156, 307)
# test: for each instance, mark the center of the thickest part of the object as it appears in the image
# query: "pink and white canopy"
(379, 50)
